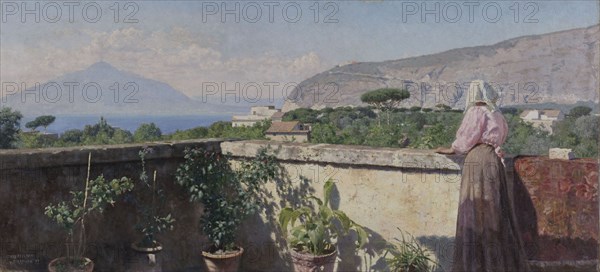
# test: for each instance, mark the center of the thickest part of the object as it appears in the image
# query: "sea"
(167, 123)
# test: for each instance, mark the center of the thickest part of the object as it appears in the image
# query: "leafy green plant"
(150, 195)
(408, 256)
(320, 227)
(97, 195)
(228, 196)
(10, 123)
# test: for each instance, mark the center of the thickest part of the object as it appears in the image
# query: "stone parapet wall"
(382, 189)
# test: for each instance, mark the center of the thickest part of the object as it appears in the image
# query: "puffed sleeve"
(470, 130)
(502, 133)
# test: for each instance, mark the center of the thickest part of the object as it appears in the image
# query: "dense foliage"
(10, 122)
(415, 127)
(147, 132)
(418, 128)
(228, 196)
(102, 133)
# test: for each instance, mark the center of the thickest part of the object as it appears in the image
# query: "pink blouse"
(480, 125)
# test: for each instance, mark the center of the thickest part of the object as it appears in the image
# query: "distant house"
(257, 114)
(277, 117)
(288, 131)
(544, 119)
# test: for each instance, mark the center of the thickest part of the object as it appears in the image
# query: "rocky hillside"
(560, 67)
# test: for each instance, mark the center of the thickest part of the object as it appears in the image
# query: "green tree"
(99, 129)
(564, 134)
(193, 133)
(324, 133)
(41, 121)
(218, 129)
(121, 136)
(147, 132)
(385, 99)
(579, 111)
(10, 122)
(587, 148)
(70, 137)
(44, 121)
(102, 133)
(382, 136)
(36, 140)
(304, 115)
(356, 133)
(437, 135)
(32, 125)
(586, 127)
(417, 119)
(523, 138)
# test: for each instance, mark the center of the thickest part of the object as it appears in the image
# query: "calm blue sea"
(167, 124)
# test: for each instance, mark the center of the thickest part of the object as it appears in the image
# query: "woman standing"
(487, 237)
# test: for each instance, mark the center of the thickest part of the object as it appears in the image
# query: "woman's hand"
(444, 150)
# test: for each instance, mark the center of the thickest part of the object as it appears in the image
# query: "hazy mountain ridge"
(121, 92)
(560, 67)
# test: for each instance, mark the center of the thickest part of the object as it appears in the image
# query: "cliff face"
(560, 67)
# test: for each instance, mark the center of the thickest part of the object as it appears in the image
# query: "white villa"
(257, 114)
(544, 119)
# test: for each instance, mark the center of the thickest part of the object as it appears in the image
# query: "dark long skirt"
(487, 238)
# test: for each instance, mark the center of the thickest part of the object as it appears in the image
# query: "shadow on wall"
(442, 247)
(375, 248)
(266, 248)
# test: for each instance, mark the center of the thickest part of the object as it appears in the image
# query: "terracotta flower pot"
(68, 264)
(228, 262)
(306, 262)
(146, 258)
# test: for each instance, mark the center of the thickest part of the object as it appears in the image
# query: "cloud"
(178, 57)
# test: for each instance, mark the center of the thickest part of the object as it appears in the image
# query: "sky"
(189, 44)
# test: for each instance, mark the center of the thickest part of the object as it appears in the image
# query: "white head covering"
(480, 91)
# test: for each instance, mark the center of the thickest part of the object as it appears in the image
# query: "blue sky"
(186, 43)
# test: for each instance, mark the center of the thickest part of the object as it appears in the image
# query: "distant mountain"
(559, 67)
(102, 89)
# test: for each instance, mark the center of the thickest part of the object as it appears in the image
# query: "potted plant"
(151, 220)
(228, 197)
(71, 215)
(408, 256)
(313, 239)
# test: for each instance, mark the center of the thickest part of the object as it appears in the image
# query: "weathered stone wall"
(380, 188)
(31, 179)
